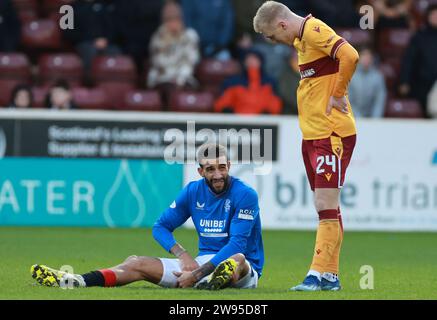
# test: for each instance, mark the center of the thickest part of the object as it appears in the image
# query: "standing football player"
(225, 212)
(327, 63)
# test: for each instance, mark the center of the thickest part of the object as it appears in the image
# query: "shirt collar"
(302, 26)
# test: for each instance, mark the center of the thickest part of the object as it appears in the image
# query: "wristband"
(179, 253)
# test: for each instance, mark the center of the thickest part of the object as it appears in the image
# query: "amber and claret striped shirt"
(327, 63)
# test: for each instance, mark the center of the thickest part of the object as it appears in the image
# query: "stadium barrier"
(107, 168)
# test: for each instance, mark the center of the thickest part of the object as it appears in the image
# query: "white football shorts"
(169, 280)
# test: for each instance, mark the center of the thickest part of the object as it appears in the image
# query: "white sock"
(314, 273)
(332, 277)
(68, 278)
(81, 280)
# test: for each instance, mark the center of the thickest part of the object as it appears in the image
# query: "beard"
(223, 187)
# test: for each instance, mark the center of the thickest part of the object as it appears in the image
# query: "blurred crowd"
(198, 55)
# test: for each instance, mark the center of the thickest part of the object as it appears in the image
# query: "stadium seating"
(116, 92)
(39, 96)
(15, 66)
(43, 34)
(142, 100)
(403, 108)
(392, 42)
(27, 10)
(390, 68)
(114, 69)
(67, 66)
(419, 10)
(422, 5)
(27, 16)
(211, 72)
(94, 98)
(116, 75)
(21, 5)
(14, 70)
(356, 37)
(187, 101)
(51, 7)
(6, 87)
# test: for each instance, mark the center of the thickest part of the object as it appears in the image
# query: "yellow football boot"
(221, 277)
(46, 276)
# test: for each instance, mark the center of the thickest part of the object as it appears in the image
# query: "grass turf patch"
(404, 264)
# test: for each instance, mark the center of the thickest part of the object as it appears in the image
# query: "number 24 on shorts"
(329, 160)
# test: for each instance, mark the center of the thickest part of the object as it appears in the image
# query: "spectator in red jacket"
(252, 92)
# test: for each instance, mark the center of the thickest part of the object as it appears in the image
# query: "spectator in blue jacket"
(214, 22)
(367, 90)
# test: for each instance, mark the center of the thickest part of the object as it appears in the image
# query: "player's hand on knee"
(337, 103)
(185, 279)
(187, 263)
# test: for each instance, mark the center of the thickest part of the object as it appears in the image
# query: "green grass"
(404, 264)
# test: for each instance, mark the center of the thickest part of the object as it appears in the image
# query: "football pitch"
(404, 264)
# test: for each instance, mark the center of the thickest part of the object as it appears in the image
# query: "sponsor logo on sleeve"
(245, 214)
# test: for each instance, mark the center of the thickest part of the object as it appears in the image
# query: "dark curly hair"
(16, 90)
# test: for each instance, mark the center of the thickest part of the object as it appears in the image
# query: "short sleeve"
(320, 36)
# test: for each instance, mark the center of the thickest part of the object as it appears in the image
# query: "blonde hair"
(267, 13)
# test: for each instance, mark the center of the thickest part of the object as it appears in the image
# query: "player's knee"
(239, 258)
(326, 199)
(324, 203)
(132, 263)
(140, 264)
(320, 204)
(130, 258)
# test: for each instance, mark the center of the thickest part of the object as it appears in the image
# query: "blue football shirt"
(226, 223)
